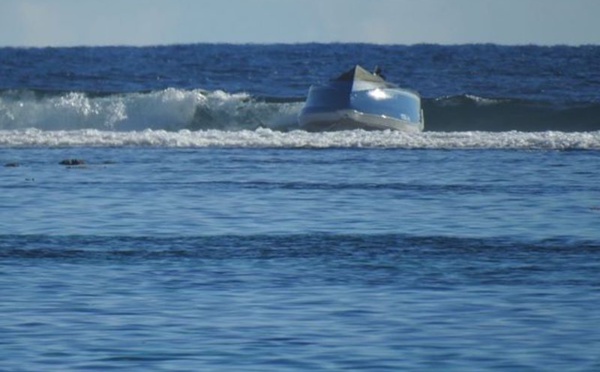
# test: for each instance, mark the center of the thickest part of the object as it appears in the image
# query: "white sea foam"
(170, 109)
(264, 138)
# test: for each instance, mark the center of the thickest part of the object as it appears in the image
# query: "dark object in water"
(71, 162)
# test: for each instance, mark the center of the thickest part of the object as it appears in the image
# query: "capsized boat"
(359, 99)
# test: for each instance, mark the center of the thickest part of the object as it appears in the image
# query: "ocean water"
(200, 229)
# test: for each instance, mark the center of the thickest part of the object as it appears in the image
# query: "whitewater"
(267, 138)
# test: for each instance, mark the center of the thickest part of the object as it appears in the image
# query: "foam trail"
(267, 138)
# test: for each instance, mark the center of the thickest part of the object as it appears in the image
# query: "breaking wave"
(176, 109)
(199, 118)
(169, 109)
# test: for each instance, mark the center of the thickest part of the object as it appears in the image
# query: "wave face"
(169, 109)
(176, 109)
(468, 113)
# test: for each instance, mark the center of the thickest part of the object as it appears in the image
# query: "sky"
(39, 23)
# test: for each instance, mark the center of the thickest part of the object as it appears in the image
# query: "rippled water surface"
(296, 259)
(191, 192)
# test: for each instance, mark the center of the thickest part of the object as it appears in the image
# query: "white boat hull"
(361, 100)
(353, 119)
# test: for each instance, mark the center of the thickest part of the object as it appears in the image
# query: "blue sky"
(151, 22)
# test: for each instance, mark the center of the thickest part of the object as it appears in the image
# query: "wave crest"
(169, 109)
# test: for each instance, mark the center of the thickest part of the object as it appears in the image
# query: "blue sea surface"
(161, 210)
